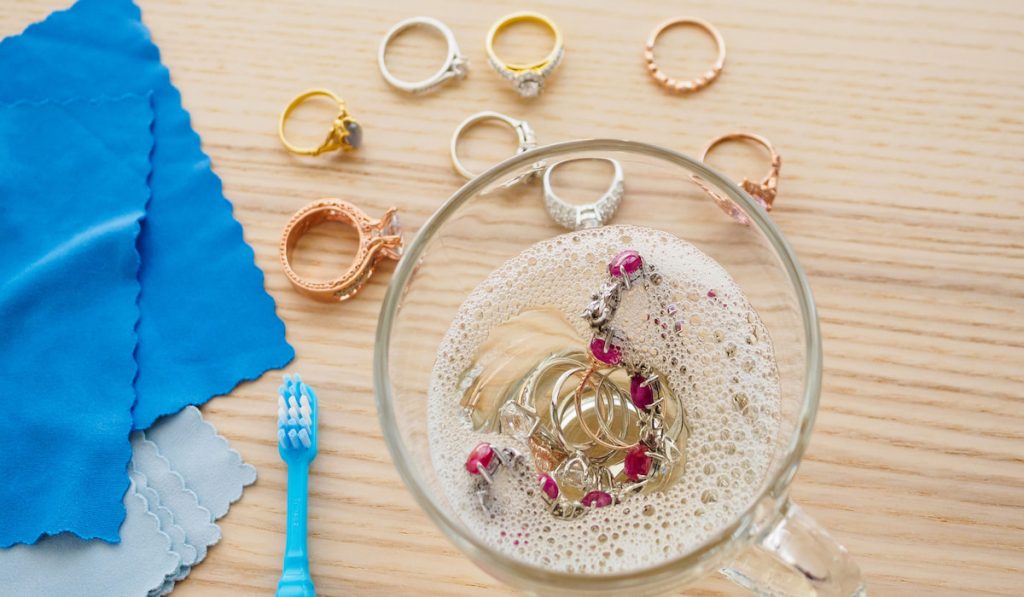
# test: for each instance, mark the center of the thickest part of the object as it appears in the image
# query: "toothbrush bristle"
(296, 406)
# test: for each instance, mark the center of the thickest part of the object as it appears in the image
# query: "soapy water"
(712, 349)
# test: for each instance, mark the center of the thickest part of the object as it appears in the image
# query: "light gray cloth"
(208, 465)
(199, 473)
(66, 565)
(180, 469)
(179, 545)
(200, 531)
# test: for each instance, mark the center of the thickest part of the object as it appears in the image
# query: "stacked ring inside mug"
(593, 444)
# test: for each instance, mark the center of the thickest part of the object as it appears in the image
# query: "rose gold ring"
(378, 239)
(763, 192)
(690, 85)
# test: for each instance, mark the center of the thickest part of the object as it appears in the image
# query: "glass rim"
(745, 524)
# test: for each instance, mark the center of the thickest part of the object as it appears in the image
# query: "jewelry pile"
(594, 443)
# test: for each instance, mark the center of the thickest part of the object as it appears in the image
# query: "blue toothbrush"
(296, 441)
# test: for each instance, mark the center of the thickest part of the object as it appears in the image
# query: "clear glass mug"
(772, 547)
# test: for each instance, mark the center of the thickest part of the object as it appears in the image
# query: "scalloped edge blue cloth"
(69, 224)
(206, 323)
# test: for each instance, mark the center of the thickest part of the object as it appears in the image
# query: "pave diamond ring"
(589, 215)
(455, 65)
(527, 79)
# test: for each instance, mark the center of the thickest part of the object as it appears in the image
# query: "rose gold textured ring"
(378, 239)
(690, 85)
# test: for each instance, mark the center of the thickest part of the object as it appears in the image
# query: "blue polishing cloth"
(206, 323)
(69, 223)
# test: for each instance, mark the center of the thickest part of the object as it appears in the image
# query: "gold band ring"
(527, 79)
(345, 133)
(691, 85)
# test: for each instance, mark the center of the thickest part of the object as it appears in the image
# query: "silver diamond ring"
(524, 133)
(455, 65)
(589, 215)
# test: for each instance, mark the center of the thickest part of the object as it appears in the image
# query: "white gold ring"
(455, 65)
(524, 134)
(589, 215)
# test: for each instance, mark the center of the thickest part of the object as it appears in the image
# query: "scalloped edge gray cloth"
(162, 511)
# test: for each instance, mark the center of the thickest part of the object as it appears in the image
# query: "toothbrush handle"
(295, 578)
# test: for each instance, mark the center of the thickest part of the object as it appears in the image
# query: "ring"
(527, 79)
(524, 133)
(378, 239)
(693, 84)
(455, 65)
(589, 215)
(763, 192)
(345, 133)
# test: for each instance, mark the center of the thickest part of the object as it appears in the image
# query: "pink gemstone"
(641, 395)
(597, 499)
(610, 356)
(637, 462)
(548, 486)
(481, 455)
(712, 294)
(628, 261)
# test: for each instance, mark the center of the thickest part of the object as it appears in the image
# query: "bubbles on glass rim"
(716, 354)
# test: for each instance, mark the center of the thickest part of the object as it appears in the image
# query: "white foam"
(720, 362)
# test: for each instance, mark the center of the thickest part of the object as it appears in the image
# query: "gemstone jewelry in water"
(551, 493)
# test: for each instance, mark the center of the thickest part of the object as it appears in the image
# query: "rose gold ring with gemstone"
(763, 191)
(378, 239)
(692, 85)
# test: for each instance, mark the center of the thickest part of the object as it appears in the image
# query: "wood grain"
(902, 139)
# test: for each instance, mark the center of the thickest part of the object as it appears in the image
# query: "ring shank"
(524, 17)
(311, 219)
(743, 136)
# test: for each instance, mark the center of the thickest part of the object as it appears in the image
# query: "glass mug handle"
(797, 557)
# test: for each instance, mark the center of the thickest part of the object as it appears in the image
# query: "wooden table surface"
(901, 130)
